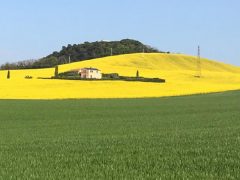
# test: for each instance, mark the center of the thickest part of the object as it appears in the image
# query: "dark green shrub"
(28, 77)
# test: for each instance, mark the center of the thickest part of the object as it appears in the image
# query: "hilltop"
(178, 70)
(84, 51)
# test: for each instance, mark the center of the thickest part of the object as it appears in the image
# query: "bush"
(69, 73)
(110, 76)
(28, 77)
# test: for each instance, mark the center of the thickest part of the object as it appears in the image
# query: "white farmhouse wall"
(90, 73)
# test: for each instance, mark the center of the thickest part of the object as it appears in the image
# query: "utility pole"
(199, 68)
(69, 59)
(111, 51)
(143, 52)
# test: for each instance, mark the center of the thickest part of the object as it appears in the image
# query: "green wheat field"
(191, 137)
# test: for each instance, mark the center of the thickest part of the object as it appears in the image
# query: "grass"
(192, 137)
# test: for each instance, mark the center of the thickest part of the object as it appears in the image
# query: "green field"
(191, 137)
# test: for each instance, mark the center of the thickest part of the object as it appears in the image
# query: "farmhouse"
(90, 73)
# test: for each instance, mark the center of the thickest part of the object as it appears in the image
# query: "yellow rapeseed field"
(178, 70)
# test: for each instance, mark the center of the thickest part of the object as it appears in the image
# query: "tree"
(85, 51)
(8, 74)
(56, 71)
(137, 74)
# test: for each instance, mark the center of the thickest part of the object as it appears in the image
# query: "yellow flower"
(178, 70)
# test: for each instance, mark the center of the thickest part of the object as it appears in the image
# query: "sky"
(31, 29)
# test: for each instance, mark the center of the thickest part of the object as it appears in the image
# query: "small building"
(90, 73)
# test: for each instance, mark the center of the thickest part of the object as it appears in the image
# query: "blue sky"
(33, 29)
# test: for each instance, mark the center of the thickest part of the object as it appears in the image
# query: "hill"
(178, 70)
(153, 61)
(81, 52)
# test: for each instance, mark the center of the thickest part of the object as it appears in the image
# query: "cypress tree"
(56, 71)
(8, 74)
(137, 74)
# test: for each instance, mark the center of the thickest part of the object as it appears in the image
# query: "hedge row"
(119, 78)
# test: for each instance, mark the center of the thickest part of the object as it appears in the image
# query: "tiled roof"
(94, 69)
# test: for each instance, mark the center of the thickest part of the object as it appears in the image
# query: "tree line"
(85, 51)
